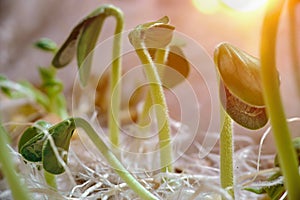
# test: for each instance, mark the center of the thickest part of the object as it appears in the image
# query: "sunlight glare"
(244, 5)
(207, 6)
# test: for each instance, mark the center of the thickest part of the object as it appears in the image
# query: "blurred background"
(24, 22)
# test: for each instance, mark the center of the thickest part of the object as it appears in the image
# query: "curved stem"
(115, 86)
(162, 114)
(113, 161)
(84, 36)
(226, 154)
(18, 189)
(287, 155)
(160, 55)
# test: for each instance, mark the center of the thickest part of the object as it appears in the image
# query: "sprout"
(242, 99)
(36, 146)
(240, 86)
(83, 38)
(156, 35)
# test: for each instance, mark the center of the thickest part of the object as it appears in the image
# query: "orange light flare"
(213, 6)
(243, 12)
(240, 18)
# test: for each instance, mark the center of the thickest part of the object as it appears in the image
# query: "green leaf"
(84, 37)
(23, 89)
(46, 44)
(61, 134)
(86, 45)
(47, 74)
(35, 146)
(31, 92)
(275, 192)
(31, 142)
(67, 51)
(53, 88)
(50, 84)
(4, 89)
(274, 188)
(260, 190)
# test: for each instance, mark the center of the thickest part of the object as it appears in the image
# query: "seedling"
(249, 91)
(83, 38)
(50, 145)
(34, 144)
(242, 100)
(156, 35)
(49, 95)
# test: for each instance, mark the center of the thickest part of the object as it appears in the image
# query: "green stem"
(226, 154)
(286, 152)
(162, 114)
(57, 103)
(50, 179)
(18, 189)
(115, 86)
(60, 107)
(143, 119)
(293, 42)
(113, 161)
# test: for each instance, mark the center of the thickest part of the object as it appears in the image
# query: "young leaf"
(274, 187)
(22, 89)
(240, 86)
(84, 37)
(4, 89)
(67, 51)
(46, 44)
(61, 134)
(53, 88)
(31, 142)
(86, 44)
(50, 83)
(34, 145)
